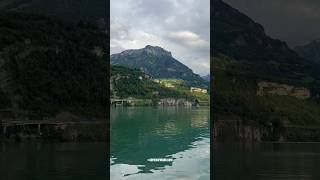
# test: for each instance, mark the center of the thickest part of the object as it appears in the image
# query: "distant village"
(171, 84)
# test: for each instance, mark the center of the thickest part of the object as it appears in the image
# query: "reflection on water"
(141, 133)
(52, 161)
(264, 161)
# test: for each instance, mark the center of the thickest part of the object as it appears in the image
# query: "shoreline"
(160, 102)
(236, 130)
(55, 132)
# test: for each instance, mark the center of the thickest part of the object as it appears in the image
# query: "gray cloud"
(180, 26)
(188, 38)
(294, 21)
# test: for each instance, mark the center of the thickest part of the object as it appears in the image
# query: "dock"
(40, 124)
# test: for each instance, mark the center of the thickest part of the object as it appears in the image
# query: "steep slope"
(244, 57)
(240, 38)
(48, 66)
(157, 62)
(125, 82)
(310, 51)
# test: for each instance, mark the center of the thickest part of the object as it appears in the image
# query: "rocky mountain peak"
(310, 51)
(158, 63)
(151, 50)
(156, 50)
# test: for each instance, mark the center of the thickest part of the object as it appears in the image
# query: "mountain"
(71, 10)
(48, 66)
(206, 78)
(255, 73)
(310, 51)
(125, 82)
(242, 39)
(157, 62)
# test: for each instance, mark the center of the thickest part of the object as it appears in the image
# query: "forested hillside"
(48, 66)
(127, 82)
(244, 57)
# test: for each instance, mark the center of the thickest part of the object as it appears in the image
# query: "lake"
(179, 135)
(52, 161)
(266, 161)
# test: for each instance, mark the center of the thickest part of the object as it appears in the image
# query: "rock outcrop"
(282, 90)
(174, 102)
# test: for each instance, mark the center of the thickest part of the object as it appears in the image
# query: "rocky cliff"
(282, 90)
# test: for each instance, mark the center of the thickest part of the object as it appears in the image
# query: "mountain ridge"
(157, 62)
(245, 41)
(310, 51)
(206, 77)
(243, 57)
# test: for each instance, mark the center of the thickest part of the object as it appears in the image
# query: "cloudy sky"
(295, 21)
(179, 26)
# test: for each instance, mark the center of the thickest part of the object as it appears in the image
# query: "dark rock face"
(237, 130)
(234, 129)
(157, 62)
(255, 54)
(236, 35)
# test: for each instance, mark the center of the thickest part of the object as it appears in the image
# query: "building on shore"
(200, 90)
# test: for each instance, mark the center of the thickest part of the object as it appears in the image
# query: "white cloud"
(188, 38)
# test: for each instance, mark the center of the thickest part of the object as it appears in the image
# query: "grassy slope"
(183, 87)
(129, 85)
